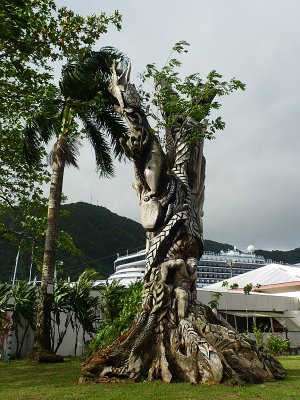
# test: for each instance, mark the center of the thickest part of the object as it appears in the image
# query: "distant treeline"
(288, 257)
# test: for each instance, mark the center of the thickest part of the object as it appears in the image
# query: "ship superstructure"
(212, 267)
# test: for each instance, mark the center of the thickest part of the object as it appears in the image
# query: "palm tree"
(78, 305)
(83, 305)
(84, 98)
(60, 306)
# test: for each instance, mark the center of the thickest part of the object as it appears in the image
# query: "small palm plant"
(73, 306)
(60, 307)
(84, 306)
(23, 312)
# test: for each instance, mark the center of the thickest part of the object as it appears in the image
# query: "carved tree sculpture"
(174, 338)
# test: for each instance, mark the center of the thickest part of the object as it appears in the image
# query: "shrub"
(276, 345)
(272, 342)
(120, 305)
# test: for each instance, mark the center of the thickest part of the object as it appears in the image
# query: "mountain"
(100, 235)
(216, 247)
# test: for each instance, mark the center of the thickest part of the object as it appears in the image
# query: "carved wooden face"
(192, 263)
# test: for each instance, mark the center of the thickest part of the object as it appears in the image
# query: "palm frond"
(83, 77)
(31, 145)
(40, 129)
(104, 161)
(66, 150)
(113, 124)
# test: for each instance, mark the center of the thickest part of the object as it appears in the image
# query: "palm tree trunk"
(42, 340)
(43, 326)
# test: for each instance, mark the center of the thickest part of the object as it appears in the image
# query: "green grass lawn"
(21, 380)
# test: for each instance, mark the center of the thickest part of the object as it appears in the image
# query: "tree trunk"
(43, 325)
(174, 338)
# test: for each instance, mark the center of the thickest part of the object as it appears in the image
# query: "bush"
(120, 306)
(272, 342)
(259, 335)
(276, 345)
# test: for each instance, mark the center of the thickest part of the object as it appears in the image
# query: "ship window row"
(240, 259)
(205, 270)
(220, 275)
(209, 276)
(235, 268)
(218, 265)
(130, 260)
(206, 281)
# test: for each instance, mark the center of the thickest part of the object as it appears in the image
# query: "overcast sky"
(253, 171)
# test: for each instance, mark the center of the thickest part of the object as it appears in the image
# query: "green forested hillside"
(289, 257)
(100, 234)
(216, 247)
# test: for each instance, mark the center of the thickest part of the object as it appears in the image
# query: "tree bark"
(43, 326)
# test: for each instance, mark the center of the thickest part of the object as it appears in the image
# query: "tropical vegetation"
(271, 340)
(23, 307)
(34, 35)
(84, 96)
(119, 305)
(73, 307)
(174, 100)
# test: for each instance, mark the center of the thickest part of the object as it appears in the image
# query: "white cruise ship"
(212, 267)
(129, 268)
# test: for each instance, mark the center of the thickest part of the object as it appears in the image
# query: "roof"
(271, 274)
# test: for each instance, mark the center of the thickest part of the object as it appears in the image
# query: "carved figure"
(174, 338)
(183, 279)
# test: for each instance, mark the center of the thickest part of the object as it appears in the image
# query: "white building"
(273, 302)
